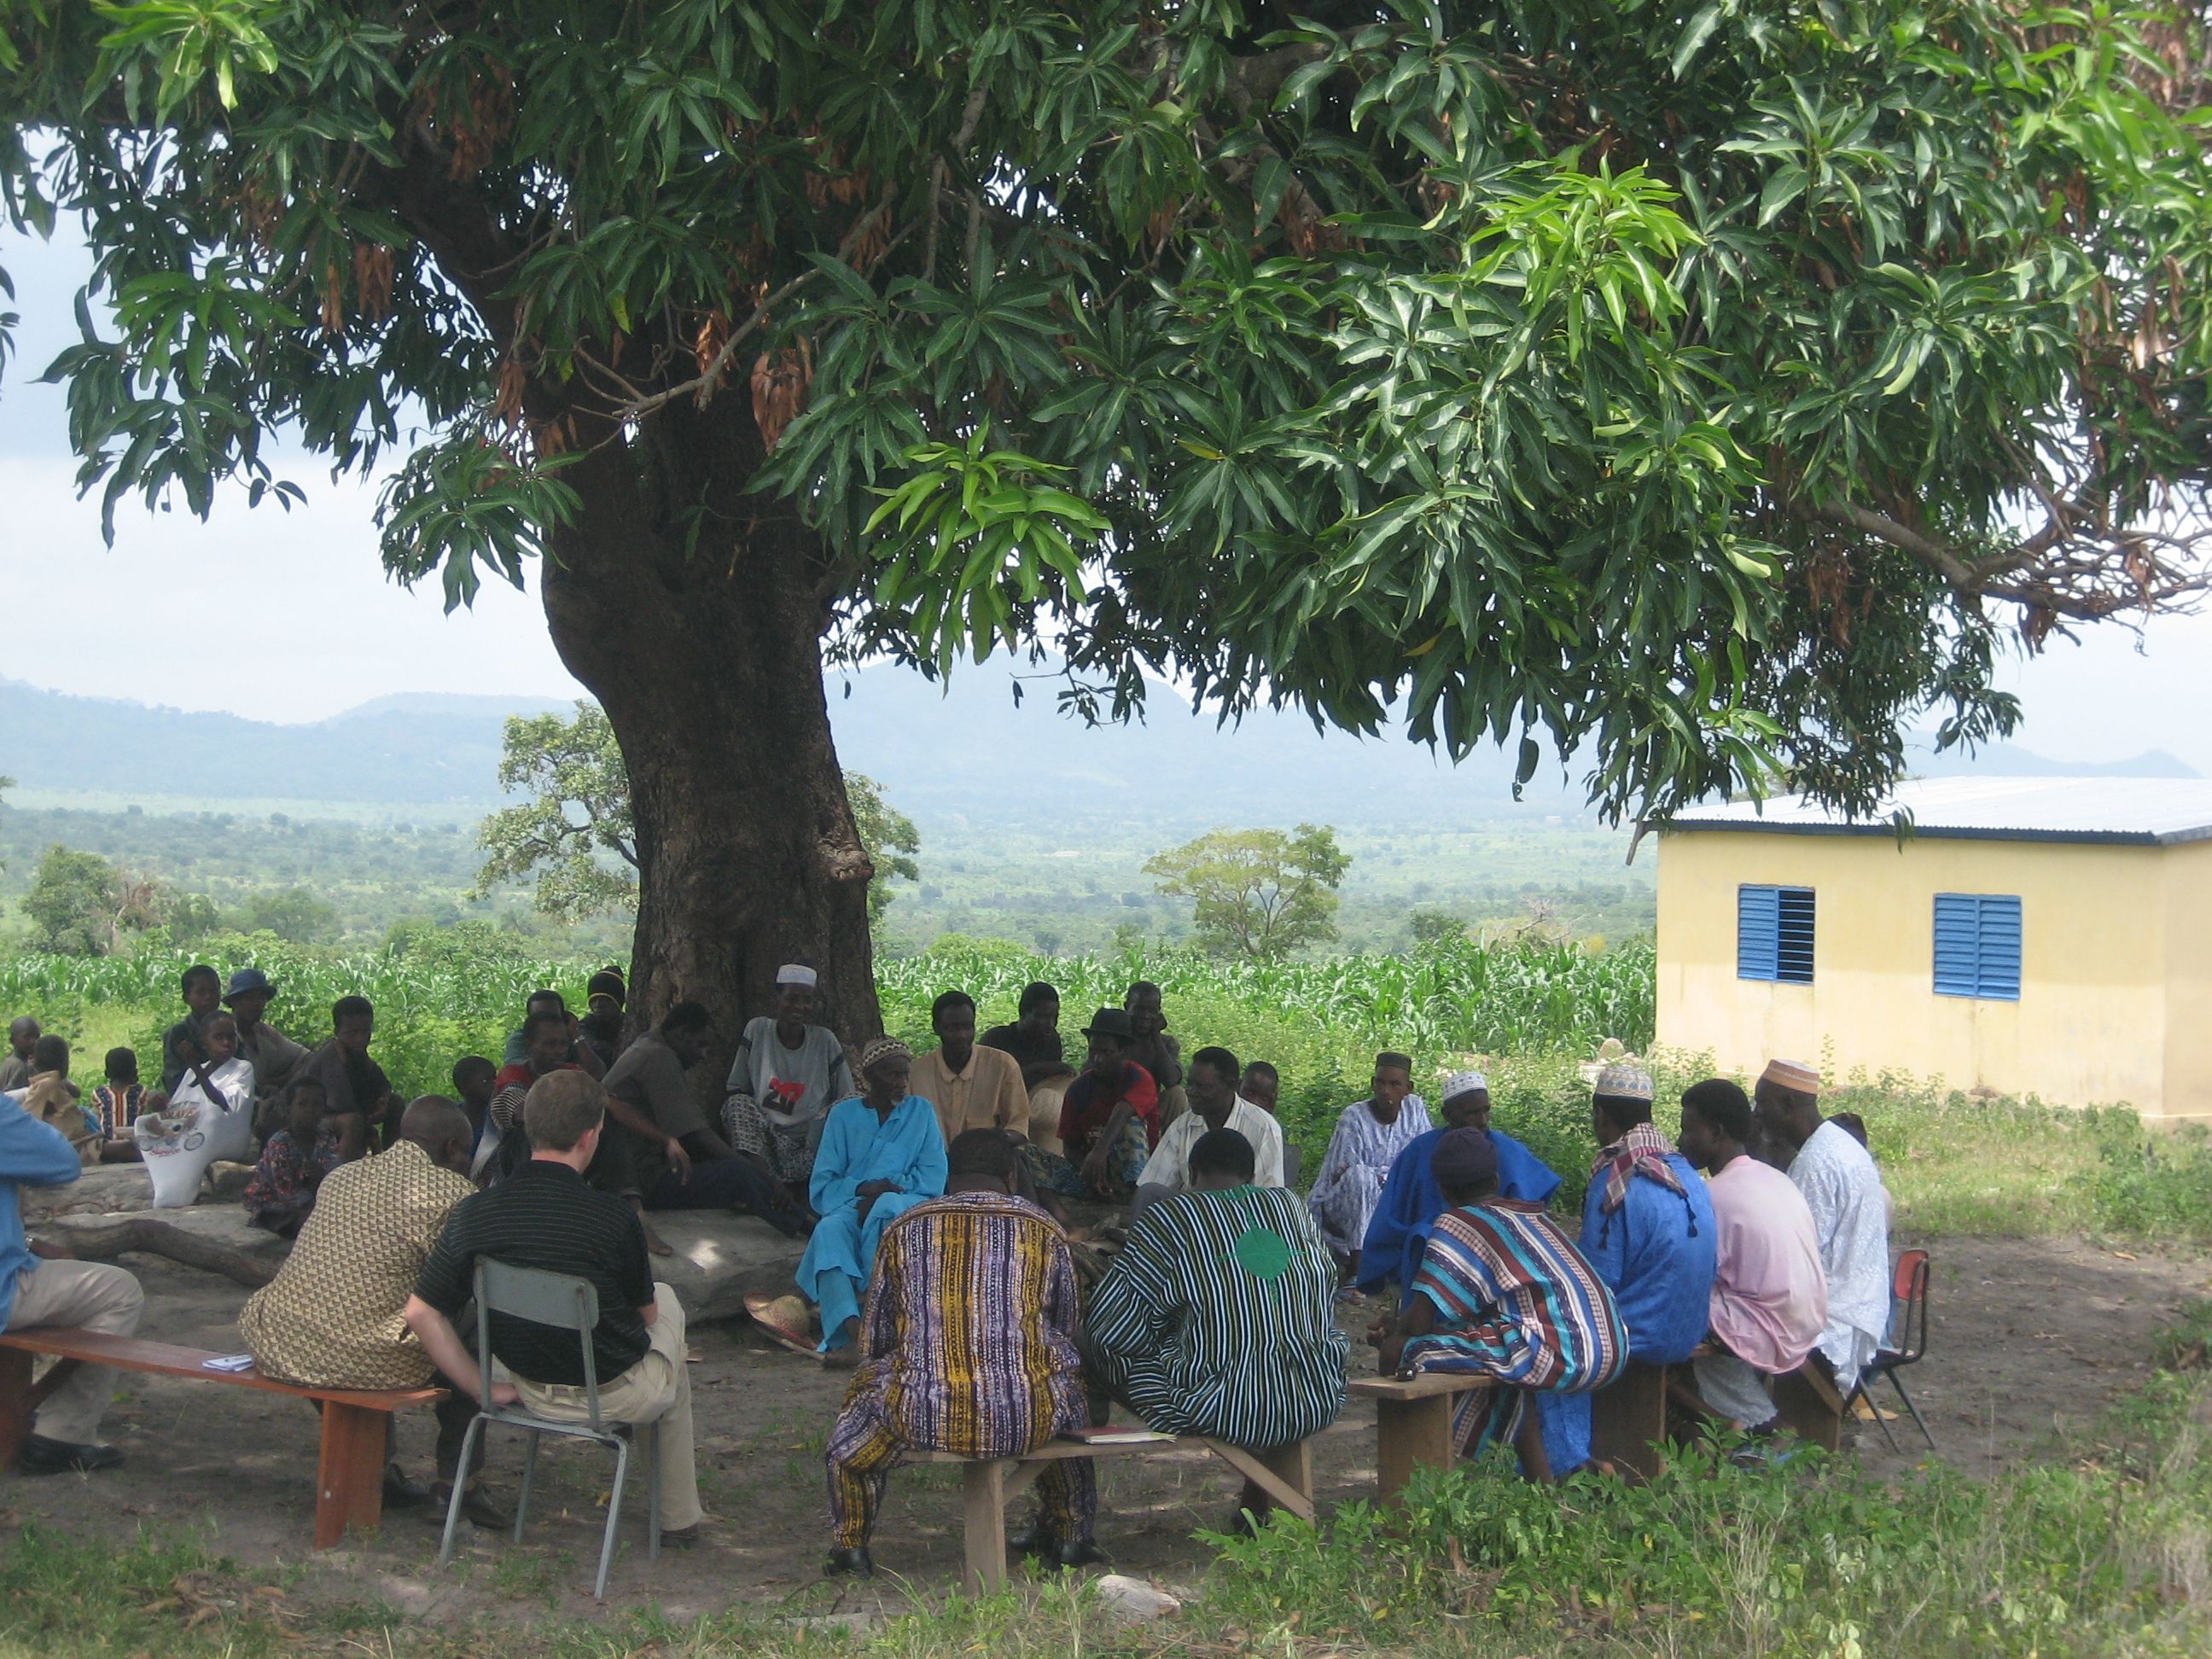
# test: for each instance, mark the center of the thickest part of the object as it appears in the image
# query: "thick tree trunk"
(692, 612)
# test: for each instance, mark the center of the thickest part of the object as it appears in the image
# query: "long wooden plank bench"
(350, 1478)
(1285, 1474)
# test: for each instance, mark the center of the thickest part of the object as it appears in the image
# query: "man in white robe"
(1851, 1212)
(1369, 1135)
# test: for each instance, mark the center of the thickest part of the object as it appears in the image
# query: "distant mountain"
(414, 750)
(2010, 759)
(965, 755)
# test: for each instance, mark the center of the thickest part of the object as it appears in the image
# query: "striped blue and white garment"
(1515, 1301)
(1218, 1318)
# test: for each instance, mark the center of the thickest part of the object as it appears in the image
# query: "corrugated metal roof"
(2139, 812)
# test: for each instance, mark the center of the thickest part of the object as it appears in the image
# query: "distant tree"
(1433, 928)
(577, 815)
(891, 839)
(82, 905)
(1257, 892)
(291, 913)
(577, 835)
(191, 917)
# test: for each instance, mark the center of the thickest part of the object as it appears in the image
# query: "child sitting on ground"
(474, 1081)
(293, 1162)
(52, 1098)
(117, 1102)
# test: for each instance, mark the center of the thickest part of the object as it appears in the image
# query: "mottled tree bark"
(693, 613)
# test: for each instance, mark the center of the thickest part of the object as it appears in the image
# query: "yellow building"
(2045, 936)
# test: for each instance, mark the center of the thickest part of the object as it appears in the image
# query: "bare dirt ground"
(2027, 1335)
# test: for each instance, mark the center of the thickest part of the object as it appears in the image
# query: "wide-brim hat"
(246, 980)
(1111, 1023)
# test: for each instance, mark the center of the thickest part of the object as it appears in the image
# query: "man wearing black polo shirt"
(545, 1215)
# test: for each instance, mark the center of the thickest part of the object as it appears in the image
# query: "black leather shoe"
(857, 1562)
(1030, 1538)
(477, 1508)
(1077, 1552)
(401, 1493)
(43, 1457)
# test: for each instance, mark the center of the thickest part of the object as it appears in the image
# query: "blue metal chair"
(565, 1304)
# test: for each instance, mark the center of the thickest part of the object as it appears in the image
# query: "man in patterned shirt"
(970, 1341)
(1218, 1317)
(331, 1318)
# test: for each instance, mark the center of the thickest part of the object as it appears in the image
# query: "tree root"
(107, 1240)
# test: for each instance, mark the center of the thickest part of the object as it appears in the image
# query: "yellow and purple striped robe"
(970, 1344)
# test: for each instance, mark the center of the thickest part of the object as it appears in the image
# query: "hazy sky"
(290, 616)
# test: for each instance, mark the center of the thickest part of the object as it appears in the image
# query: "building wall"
(2091, 1025)
(2188, 872)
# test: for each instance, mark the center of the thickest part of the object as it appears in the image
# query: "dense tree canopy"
(1689, 383)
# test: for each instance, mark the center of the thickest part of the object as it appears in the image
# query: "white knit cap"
(795, 973)
(1463, 1082)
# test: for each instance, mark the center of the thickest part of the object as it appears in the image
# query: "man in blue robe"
(881, 1153)
(1411, 1200)
(1647, 1229)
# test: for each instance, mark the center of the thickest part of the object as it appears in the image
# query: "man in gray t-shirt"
(786, 1076)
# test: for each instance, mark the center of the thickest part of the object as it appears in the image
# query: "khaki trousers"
(657, 1390)
(88, 1296)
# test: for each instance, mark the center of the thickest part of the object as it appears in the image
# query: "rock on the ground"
(1132, 1600)
(222, 1224)
(112, 1189)
(720, 1259)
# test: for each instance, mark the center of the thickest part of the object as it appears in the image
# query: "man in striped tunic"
(970, 1338)
(1218, 1316)
(1503, 1292)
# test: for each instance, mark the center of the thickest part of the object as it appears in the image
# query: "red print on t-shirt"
(786, 1091)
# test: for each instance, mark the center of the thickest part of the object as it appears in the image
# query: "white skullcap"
(796, 973)
(1793, 1075)
(1463, 1082)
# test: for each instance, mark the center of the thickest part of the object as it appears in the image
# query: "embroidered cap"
(796, 973)
(1463, 1082)
(1622, 1081)
(1793, 1075)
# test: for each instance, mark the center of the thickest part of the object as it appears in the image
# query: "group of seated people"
(935, 1194)
(1756, 1246)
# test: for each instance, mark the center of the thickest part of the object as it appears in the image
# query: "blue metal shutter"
(1997, 972)
(1758, 932)
(1978, 945)
(1793, 963)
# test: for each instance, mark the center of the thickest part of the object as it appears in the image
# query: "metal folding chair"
(566, 1304)
(1905, 1344)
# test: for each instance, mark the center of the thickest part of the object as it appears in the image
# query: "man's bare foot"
(653, 1241)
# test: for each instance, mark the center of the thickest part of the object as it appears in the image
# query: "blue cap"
(247, 979)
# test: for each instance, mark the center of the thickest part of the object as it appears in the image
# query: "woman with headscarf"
(881, 1154)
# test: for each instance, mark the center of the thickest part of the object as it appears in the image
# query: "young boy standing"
(116, 1102)
(203, 989)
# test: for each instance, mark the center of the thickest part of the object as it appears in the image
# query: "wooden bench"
(1413, 1424)
(349, 1481)
(1807, 1401)
(1628, 1420)
(1285, 1474)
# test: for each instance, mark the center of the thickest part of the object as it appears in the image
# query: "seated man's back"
(1218, 1318)
(545, 1215)
(970, 1327)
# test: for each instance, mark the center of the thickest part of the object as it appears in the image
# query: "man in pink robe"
(1770, 1299)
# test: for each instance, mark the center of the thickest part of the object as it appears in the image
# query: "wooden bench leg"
(1810, 1408)
(16, 1405)
(1409, 1435)
(1628, 1421)
(1285, 1473)
(983, 1495)
(349, 1481)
